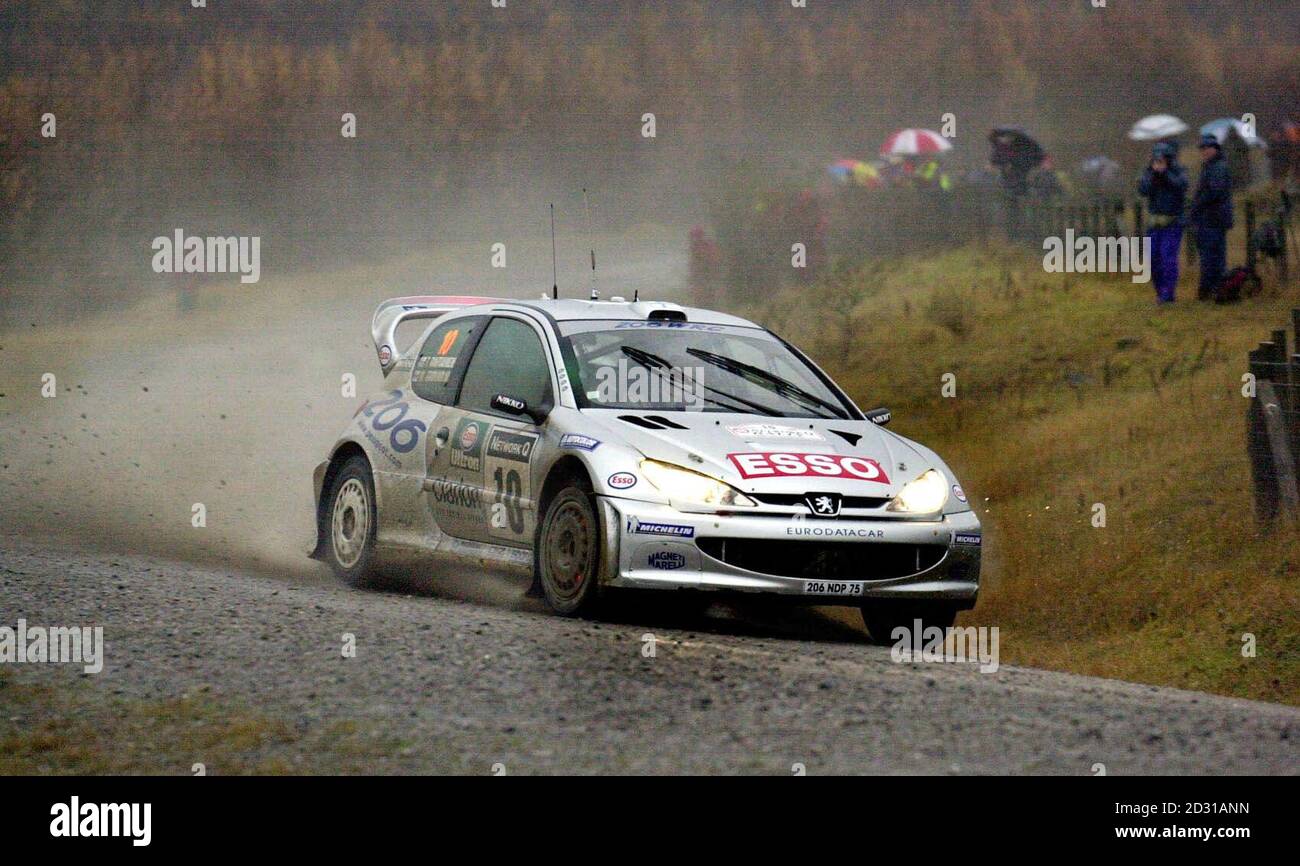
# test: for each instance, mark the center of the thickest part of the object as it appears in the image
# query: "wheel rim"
(351, 522)
(569, 539)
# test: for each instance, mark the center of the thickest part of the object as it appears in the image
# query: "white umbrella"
(1157, 126)
(1219, 129)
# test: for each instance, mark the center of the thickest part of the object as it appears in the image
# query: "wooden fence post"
(1281, 380)
(1271, 429)
(1283, 264)
(1283, 465)
(1261, 475)
(1293, 388)
(1250, 238)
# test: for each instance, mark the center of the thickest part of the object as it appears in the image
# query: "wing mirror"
(514, 406)
(880, 416)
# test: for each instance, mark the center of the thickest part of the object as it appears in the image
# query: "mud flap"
(316, 550)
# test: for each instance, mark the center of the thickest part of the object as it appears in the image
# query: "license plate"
(832, 587)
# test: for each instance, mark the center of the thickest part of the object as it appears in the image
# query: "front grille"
(793, 499)
(842, 560)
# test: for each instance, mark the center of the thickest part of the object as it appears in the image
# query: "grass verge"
(1072, 392)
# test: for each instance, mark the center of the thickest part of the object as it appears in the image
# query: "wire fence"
(757, 232)
(1100, 216)
(1273, 425)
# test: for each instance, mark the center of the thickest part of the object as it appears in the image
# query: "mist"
(178, 389)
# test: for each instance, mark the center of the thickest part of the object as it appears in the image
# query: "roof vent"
(640, 422)
(659, 419)
(667, 316)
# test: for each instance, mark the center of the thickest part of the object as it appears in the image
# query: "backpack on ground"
(1236, 284)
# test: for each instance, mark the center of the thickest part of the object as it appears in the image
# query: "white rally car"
(605, 444)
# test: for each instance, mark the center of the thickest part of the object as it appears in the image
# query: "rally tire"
(349, 522)
(881, 619)
(568, 551)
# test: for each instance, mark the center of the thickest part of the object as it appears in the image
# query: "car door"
(435, 377)
(482, 480)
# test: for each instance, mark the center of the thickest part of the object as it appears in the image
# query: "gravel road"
(462, 678)
(458, 674)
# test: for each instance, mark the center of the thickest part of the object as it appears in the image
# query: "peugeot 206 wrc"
(605, 444)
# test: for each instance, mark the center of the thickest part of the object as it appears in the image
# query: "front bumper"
(658, 547)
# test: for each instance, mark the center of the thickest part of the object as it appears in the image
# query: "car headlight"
(924, 495)
(685, 485)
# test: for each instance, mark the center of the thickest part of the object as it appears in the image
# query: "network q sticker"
(773, 431)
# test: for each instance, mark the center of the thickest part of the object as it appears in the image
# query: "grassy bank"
(73, 730)
(1073, 391)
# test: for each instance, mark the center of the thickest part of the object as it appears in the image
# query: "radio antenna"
(586, 203)
(555, 279)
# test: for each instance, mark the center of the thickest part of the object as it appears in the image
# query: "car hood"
(756, 453)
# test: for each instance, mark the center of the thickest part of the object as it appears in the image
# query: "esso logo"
(779, 464)
(468, 437)
(622, 480)
(385, 355)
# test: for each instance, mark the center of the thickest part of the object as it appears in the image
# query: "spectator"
(1164, 184)
(1015, 155)
(1212, 215)
(705, 268)
(1284, 151)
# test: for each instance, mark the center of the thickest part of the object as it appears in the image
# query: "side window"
(432, 377)
(509, 360)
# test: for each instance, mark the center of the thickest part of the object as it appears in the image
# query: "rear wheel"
(350, 519)
(882, 618)
(568, 551)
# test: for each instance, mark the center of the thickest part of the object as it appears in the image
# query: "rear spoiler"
(391, 313)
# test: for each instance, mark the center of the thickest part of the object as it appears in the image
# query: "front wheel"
(881, 618)
(568, 552)
(350, 519)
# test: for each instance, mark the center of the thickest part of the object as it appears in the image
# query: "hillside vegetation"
(229, 119)
(1073, 391)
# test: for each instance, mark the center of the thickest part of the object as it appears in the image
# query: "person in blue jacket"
(1164, 184)
(1212, 215)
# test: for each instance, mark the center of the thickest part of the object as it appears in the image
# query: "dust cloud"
(232, 402)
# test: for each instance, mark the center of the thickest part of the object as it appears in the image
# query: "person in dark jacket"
(1212, 215)
(1164, 183)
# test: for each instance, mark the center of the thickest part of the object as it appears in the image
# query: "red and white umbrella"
(913, 142)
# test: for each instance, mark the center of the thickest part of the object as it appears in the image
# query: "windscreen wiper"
(772, 382)
(651, 361)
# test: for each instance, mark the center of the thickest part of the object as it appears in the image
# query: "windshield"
(681, 366)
